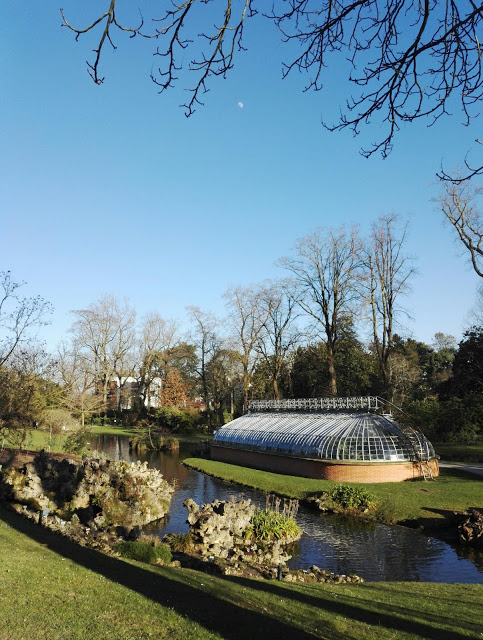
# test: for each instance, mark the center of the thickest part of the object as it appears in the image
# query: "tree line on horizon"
(330, 327)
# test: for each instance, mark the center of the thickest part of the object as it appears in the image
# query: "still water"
(337, 544)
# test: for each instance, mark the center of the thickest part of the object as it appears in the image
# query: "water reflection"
(337, 544)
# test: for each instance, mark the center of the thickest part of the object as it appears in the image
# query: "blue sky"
(112, 189)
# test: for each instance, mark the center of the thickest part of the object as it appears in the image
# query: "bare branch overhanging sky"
(111, 189)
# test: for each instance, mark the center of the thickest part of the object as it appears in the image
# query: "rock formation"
(471, 529)
(99, 491)
(217, 531)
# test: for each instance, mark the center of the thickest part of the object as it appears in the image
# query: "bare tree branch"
(423, 53)
(18, 316)
(221, 47)
(111, 21)
(457, 203)
(218, 48)
(471, 172)
(411, 59)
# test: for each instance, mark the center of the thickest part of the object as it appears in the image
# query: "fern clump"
(274, 523)
(267, 526)
(180, 542)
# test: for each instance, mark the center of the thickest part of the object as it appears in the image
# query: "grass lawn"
(37, 440)
(193, 437)
(460, 452)
(399, 501)
(52, 589)
(113, 430)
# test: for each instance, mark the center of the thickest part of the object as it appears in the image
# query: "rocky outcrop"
(219, 545)
(82, 535)
(217, 528)
(217, 531)
(471, 529)
(101, 492)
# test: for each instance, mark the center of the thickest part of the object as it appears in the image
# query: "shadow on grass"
(233, 622)
(458, 472)
(385, 615)
(449, 520)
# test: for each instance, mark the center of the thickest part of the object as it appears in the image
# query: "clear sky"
(111, 189)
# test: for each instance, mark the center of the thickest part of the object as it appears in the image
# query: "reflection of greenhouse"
(332, 438)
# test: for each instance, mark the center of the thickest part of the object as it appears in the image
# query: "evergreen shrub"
(178, 420)
(143, 552)
(352, 498)
(77, 442)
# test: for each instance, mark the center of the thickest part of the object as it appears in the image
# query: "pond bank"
(428, 506)
(335, 543)
(338, 544)
(65, 590)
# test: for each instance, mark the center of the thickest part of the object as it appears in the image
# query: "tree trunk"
(332, 373)
(276, 391)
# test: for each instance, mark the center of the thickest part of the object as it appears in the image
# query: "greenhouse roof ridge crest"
(367, 403)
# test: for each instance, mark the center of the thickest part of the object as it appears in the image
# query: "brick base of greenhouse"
(335, 470)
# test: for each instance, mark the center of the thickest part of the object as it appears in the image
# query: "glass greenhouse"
(343, 433)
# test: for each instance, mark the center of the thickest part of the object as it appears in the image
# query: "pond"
(334, 543)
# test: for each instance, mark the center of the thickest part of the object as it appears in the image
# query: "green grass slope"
(52, 589)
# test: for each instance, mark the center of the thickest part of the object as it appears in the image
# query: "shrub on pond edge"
(352, 498)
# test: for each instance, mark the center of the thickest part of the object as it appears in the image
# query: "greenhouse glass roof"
(330, 435)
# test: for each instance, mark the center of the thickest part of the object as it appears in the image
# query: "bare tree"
(247, 317)
(386, 275)
(157, 335)
(123, 349)
(208, 344)
(280, 336)
(224, 373)
(76, 378)
(324, 270)
(404, 375)
(409, 59)
(444, 341)
(104, 333)
(18, 316)
(458, 204)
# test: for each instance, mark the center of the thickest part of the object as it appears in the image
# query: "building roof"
(328, 435)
